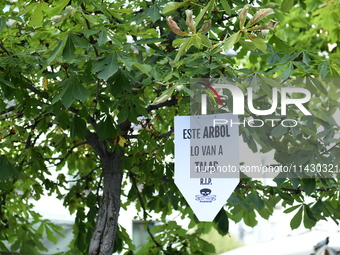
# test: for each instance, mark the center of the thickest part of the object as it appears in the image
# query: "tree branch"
(332, 148)
(69, 152)
(9, 109)
(171, 102)
(231, 16)
(145, 214)
(4, 49)
(11, 116)
(36, 91)
(84, 177)
(169, 133)
(96, 101)
(96, 143)
(140, 53)
(92, 41)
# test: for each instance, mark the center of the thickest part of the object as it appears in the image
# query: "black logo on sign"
(205, 196)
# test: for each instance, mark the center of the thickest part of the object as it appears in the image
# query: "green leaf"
(287, 5)
(251, 143)
(99, 65)
(329, 137)
(3, 247)
(172, 6)
(66, 84)
(260, 44)
(254, 198)
(2, 24)
(324, 69)
(90, 31)
(265, 213)
(231, 41)
(103, 37)
(106, 128)
(307, 130)
(249, 218)
(279, 130)
(318, 208)
(154, 13)
(90, 18)
(78, 128)
(291, 56)
(119, 82)
(309, 220)
(205, 40)
(7, 83)
(295, 131)
(248, 44)
(127, 61)
(110, 67)
(139, 106)
(226, 6)
(287, 197)
(288, 71)
(37, 16)
(50, 235)
(330, 211)
(15, 246)
(309, 185)
(150, 41)
(273, 58)
(222, 222)
(271, 82)
(55, 52)
(318, 85)
(123, 113)
(79, 91)
(78, 41)
(4, 168)
(196, 40)
(73, 90)
(206, 246)
(60, 5)
(296, 220)
(145, 68)
(236, 214)
(279, 44)
(184, 47)
(69, 49)
(306, 58)
(164, 97)
(208, 7)
(290, 209)
(236, 200)
(177, 42)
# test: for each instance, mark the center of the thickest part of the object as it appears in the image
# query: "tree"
(94, 86)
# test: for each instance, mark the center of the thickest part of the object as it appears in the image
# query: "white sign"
(206, 161)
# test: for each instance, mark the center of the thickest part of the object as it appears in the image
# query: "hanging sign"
(206, 161)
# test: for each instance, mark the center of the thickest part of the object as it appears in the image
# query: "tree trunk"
(102, 241)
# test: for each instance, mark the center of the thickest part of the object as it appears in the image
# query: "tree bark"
(102, 241)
